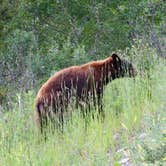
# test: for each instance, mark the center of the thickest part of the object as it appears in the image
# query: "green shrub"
(3, 95)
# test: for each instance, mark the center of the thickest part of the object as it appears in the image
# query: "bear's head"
(123, 68)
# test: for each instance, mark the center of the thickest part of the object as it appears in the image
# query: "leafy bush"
(3, 95)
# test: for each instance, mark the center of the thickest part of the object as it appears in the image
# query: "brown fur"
(79, 81)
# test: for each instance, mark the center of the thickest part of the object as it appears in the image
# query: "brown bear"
(87, 80)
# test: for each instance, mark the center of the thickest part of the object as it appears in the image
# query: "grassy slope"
(147, 144)
(134, 122)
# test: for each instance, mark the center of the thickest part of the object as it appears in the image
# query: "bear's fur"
(79, 81)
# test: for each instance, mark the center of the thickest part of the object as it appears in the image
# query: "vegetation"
(122, 137)
(39, 37)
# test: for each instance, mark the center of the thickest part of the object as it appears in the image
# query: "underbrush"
(90, 141)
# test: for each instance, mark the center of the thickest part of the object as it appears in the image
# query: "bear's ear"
(115, 57)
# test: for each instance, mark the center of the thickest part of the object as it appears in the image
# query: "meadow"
(132, 133)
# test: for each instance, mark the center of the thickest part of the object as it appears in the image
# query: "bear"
(83, 82)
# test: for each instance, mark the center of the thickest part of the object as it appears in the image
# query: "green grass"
(132, 107)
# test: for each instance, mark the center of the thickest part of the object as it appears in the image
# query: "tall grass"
(125, 102)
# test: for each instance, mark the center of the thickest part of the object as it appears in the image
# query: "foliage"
(3, 93)
(39, 37)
